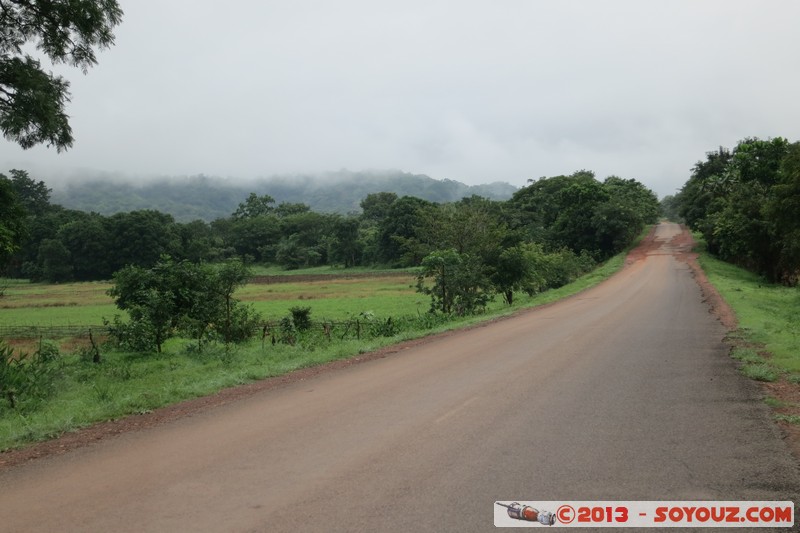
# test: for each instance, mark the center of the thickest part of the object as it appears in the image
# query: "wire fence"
(354, 327)
(51, 332)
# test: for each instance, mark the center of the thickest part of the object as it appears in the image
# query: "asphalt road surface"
(624, 392)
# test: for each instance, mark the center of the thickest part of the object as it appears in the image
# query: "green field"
(43, 305)
(38, 304)
(337, 299)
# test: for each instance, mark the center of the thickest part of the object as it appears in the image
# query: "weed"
(747, 355)
(102, 391)
(120, 372)
(791, 419)
(774, 402)
(759, 372)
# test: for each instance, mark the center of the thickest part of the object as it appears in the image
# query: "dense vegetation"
(566, 223)
(746, 204)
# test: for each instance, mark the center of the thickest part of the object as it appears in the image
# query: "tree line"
(746, 204)
(46, 242)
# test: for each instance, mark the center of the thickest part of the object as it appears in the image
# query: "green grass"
(791, 419)
(127, 383)
(40, 304)
(337, 299)
(768, 316)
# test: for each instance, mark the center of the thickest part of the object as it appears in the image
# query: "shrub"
(301, 318)
(24, 377)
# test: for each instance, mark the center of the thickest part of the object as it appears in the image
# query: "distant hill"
(209, 198)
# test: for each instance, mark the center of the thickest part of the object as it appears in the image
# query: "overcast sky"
(475, 91)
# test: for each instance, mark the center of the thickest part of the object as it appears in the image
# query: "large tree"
(32, 101)
(12, 228)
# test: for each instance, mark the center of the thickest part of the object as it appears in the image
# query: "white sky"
(475, 91)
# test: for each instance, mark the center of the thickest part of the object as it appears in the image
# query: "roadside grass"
(769, 318)
(125, 383)
(767, 340)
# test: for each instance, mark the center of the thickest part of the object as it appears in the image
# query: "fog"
(470, 91)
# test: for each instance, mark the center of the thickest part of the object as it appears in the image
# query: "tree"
(617, 221)
(518, 269)
(375, 206)
(460, 284)
(469, 226)
(670, 206)
(783, 213)
(55, 261)
(744, 202)
(254, 206)
(142, 237)
(150, 301)
(398, 238)
(33, 195)
(287, 209)
(32, 101)
(190, 297)
(89, 242)
(705, 183)
(232, 275)
(343, 245)
(12, 227)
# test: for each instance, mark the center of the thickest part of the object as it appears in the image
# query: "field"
(45, 305)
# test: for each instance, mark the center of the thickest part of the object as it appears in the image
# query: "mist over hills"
(208, 198)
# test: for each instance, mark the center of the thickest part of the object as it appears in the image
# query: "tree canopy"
(32, 101)
(746, 203)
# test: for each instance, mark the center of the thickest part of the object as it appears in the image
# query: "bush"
(301, 317)
(244, 321)
(135, 336)
(24, 377)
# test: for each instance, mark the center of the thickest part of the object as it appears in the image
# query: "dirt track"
(622, 392)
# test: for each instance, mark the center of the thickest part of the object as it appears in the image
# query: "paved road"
(623, 392)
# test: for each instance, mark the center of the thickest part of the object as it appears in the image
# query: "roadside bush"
(136, 335)
(195, 299)
(244, 321)
(301, 317)
(288, 331)
(25, 377)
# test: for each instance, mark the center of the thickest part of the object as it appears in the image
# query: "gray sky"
(475, 91)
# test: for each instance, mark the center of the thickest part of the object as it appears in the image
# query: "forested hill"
(209, 198)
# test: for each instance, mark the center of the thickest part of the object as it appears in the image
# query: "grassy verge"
(128, 383)
(767, 340)
(769, 319)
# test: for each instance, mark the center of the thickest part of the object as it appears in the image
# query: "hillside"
(208, 198)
